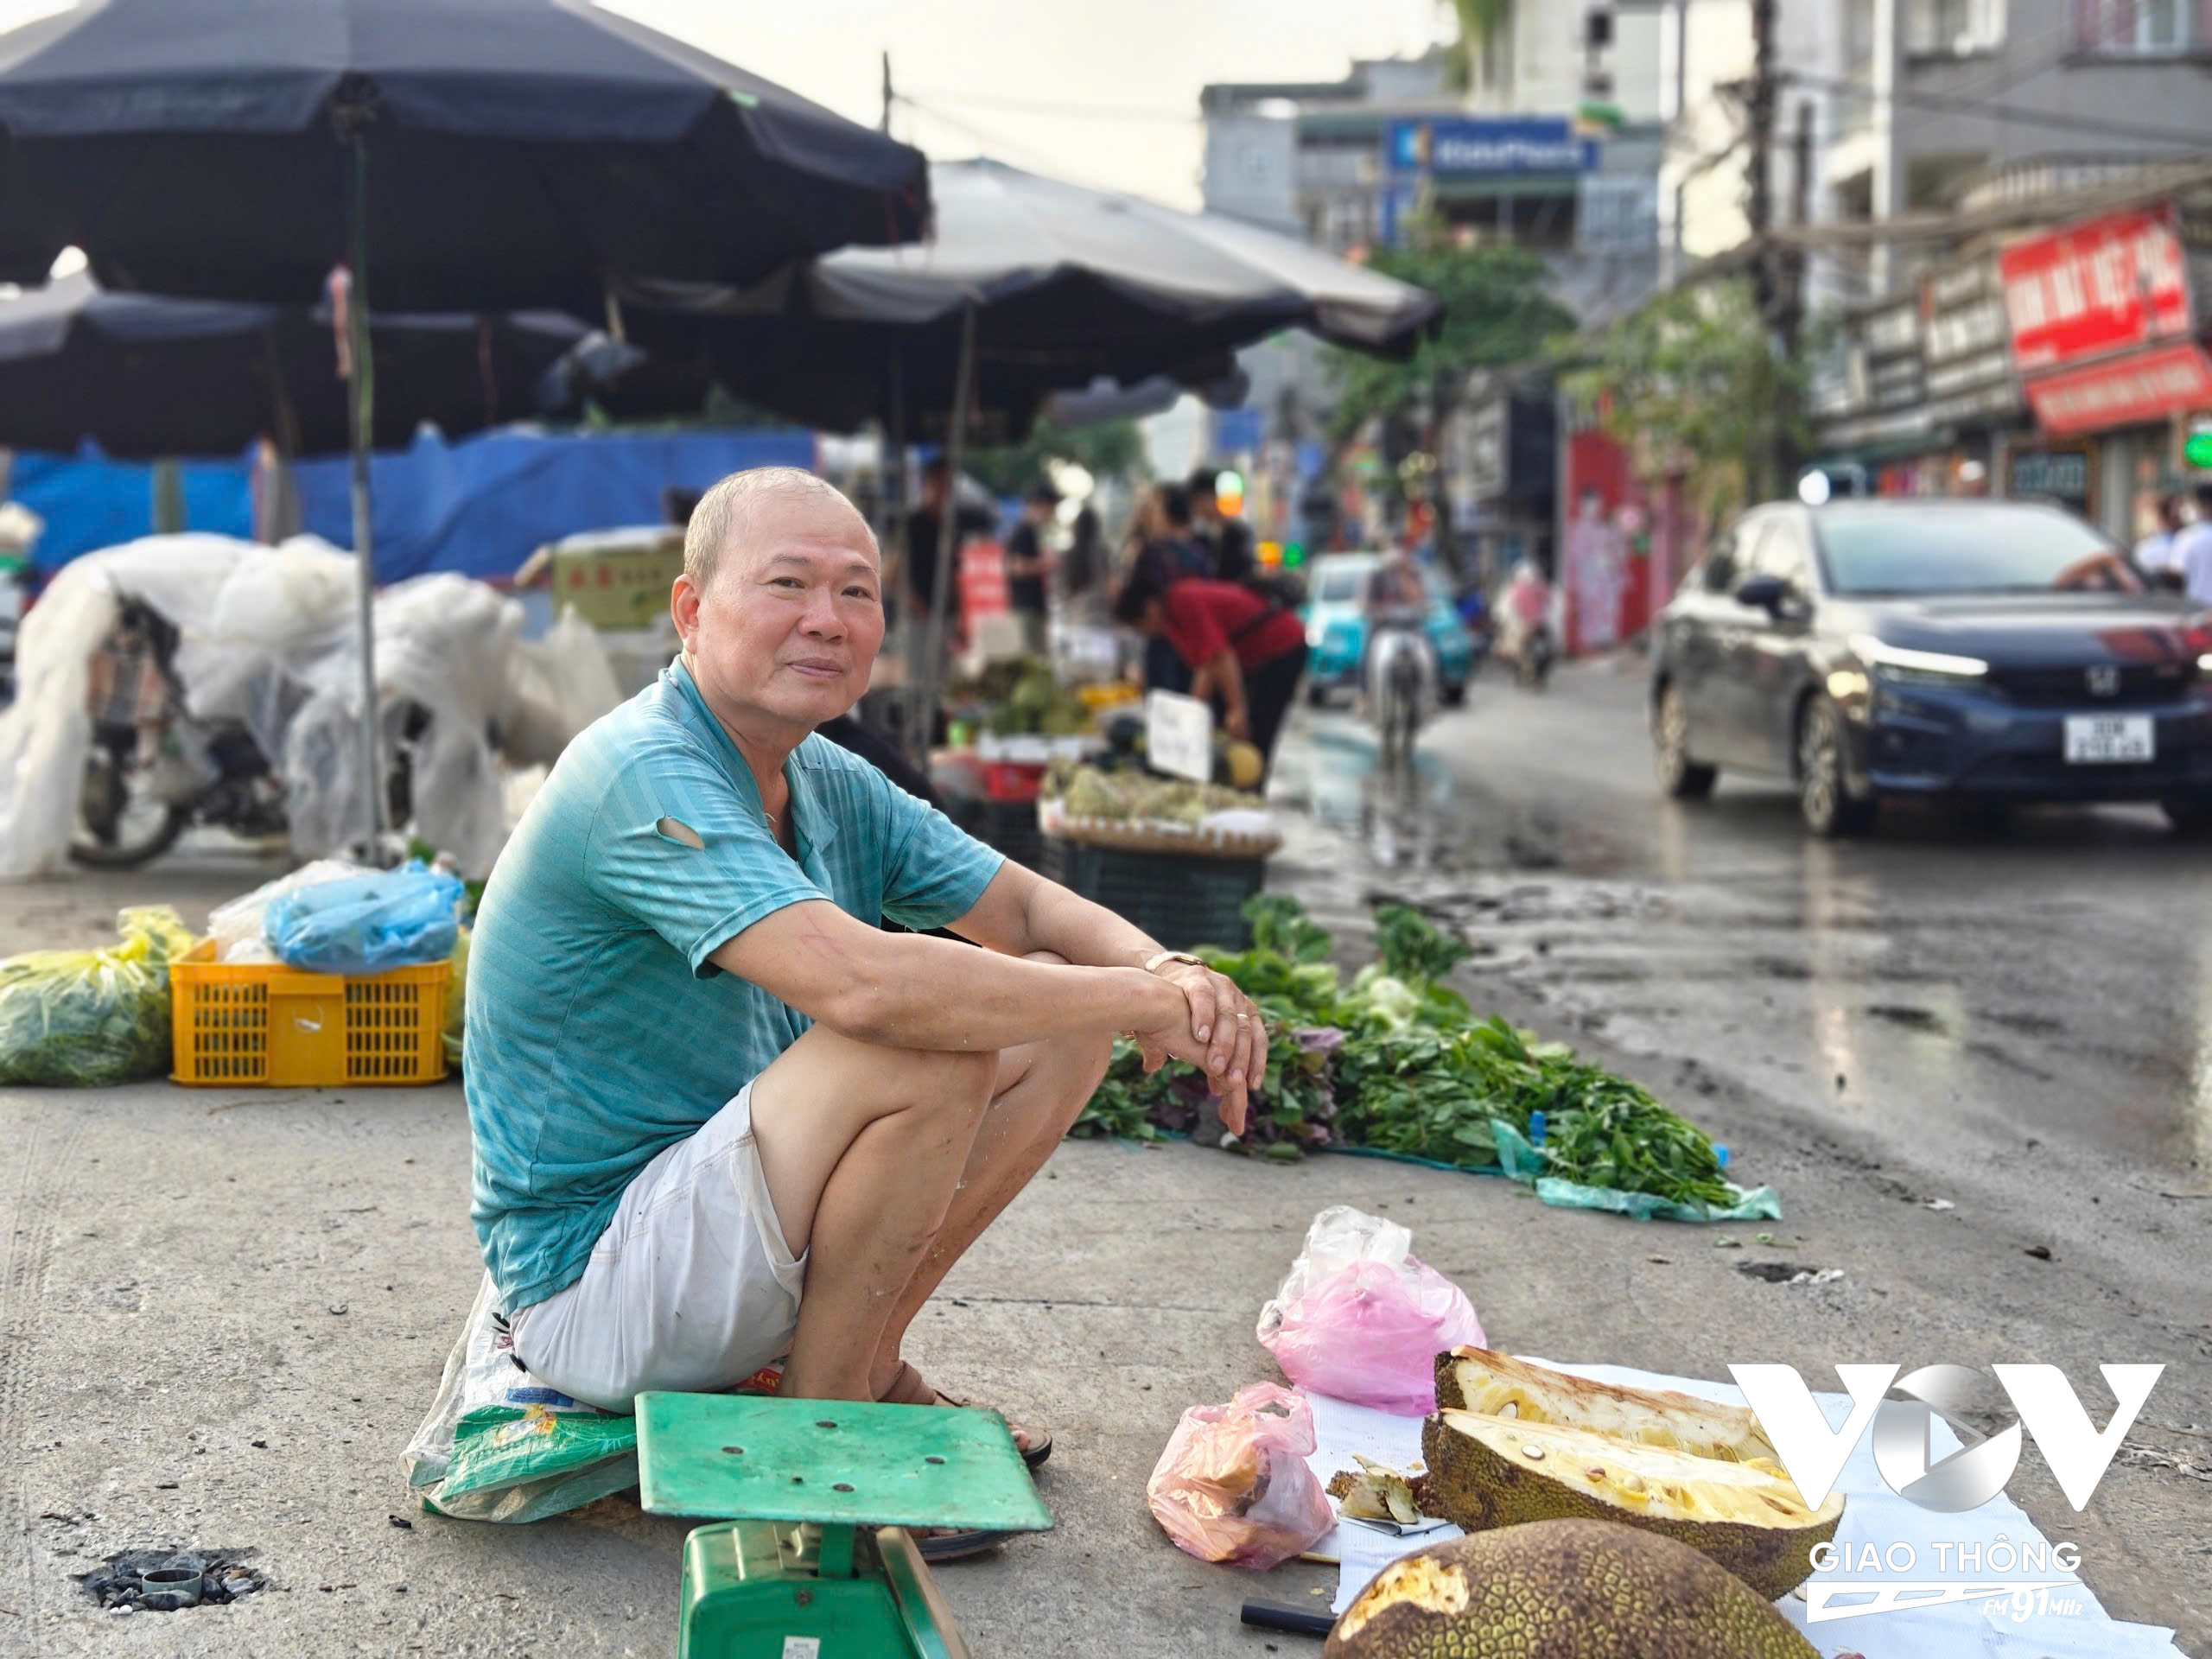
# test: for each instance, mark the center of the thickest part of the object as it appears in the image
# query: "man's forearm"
(1086, 932)
(929, 993)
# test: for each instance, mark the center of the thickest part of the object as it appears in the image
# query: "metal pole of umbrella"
(890, 479)
(361, 411)
(948, 540)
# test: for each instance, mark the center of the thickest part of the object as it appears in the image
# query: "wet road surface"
(1940, 985)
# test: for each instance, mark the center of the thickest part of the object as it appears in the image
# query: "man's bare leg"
(862, 1148)
(1041, 1087)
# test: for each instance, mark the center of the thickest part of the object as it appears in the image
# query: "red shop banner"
(2147, 387)
(1605, 546)
(2106, 284)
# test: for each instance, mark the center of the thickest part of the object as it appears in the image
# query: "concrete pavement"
(184, 1274)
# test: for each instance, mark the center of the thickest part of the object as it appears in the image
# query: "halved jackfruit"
(1498, 1471)
(1498, 1385)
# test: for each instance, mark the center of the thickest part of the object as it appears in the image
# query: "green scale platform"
(813, 1557)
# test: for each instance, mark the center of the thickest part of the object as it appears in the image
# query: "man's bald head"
(727, 513)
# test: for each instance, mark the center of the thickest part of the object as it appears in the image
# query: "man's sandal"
(1034, 1444)
(956, 1543)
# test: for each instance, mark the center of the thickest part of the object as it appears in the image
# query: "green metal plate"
(750, 1458)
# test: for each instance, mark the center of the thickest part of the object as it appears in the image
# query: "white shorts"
(691, 1287)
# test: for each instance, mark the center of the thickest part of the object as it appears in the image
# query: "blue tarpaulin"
(90, 502)
(478, 506)
(483, 505)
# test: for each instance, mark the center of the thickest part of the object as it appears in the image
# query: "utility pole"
(1768, 282)
(884, 126)
(1760, 209)
(1789, 323)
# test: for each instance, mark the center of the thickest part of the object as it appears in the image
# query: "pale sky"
(1095, 92)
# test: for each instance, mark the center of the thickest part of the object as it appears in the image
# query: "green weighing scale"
(817, 1560)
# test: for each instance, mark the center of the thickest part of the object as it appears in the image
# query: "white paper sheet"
(1872, 1514)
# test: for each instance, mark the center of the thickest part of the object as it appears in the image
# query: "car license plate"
(2104, 740)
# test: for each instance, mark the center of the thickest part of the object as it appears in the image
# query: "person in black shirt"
(924, 522)
(1026, 564)
(1232, 549)
(1170, 552)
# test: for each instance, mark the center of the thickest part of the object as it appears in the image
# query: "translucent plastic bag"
(92, 1017)
(1233, 1486)
(237, 927)
(395, 919)
(1360, 1318)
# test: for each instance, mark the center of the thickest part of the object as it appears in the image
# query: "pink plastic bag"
(1233, 1486)
(1360, 1318)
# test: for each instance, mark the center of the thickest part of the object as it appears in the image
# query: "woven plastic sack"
(1233, 1486)
(92, 1017)
(1360, 1318)
(498, 1444)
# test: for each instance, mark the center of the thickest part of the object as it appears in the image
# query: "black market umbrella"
(453, 154)
(1067, 285)
(144, 376)
(1026, 286)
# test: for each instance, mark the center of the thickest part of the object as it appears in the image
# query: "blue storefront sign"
(1461, 147)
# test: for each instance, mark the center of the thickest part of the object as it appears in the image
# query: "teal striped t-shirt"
(597, 1031)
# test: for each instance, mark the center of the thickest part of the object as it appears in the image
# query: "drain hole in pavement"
(1776, 1272)
(1900, 1014)
(170, 1580)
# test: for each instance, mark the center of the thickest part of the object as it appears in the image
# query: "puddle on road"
(1420, 819)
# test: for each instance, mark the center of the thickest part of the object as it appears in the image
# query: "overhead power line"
(2055, 119)
(1059, 107)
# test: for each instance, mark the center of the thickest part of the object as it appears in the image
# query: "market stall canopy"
(143, 377)
(518, 151)
(1068, 284)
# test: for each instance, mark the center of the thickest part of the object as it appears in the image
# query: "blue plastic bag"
(367, 923)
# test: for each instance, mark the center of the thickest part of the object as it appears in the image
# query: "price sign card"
(1179, 735)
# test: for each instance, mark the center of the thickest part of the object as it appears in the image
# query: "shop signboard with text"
(1461, 146)
(2101, 286)
(2147, 387)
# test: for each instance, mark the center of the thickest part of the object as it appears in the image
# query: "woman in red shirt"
(1245, 652)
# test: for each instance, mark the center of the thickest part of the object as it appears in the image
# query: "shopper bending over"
(721, 1119)
(1244, 652)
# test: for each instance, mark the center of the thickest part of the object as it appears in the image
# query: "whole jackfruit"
(1486, 1473)
(1561, 1589)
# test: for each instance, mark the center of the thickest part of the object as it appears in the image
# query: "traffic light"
(2196, 448)
(1292, 555)
(1228, 491)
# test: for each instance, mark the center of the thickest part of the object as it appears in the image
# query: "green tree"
(1495, 314)
(1108, 449)
(1476, 22)
(1694, 385)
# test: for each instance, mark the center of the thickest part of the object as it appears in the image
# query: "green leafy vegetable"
(1411, 948)
(85, 1017)
(1399, 1062)
(1280, 923)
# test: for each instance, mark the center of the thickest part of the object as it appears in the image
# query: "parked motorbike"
(154, 769)
(1400, 683)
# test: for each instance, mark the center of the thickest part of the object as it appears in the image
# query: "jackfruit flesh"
(1561, 1590)
(1498, 1385)
(1487, 1472)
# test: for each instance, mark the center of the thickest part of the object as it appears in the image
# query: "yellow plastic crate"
(250, 1022)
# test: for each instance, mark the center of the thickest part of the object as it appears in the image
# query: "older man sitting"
(721, 1119)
